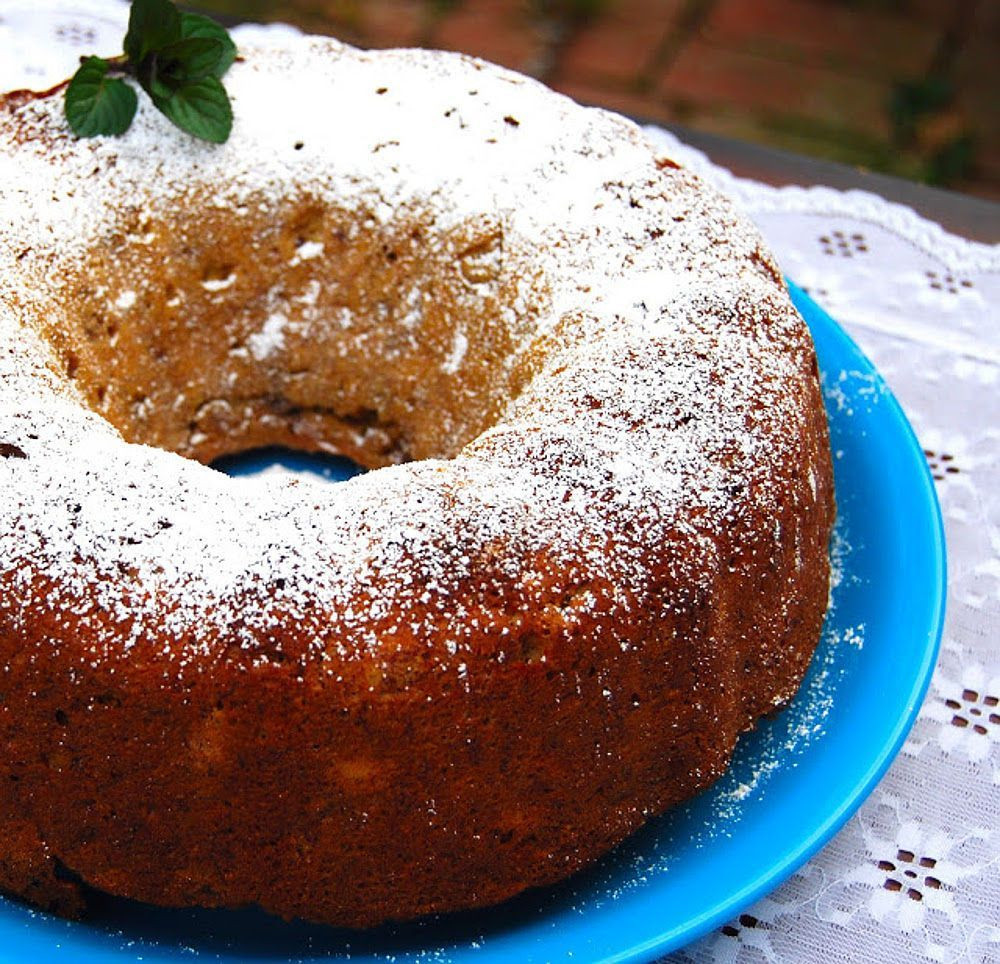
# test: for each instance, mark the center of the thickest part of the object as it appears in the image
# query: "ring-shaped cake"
(594, 551)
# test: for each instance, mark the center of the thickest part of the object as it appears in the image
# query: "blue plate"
(794, 781)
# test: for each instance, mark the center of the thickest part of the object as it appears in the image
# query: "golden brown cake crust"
(596, 554)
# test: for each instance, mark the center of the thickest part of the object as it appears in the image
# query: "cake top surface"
(668, 405)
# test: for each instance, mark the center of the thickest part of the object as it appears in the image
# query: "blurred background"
(904, 87)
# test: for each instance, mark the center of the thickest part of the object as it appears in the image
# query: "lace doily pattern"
(914, 875)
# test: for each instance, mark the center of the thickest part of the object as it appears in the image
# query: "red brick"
(984, 177)
(976, 80)
(821, 34)
(942, 14)
(496, 30)
(622, 43)
(392, 23)
(934, 12)
(334, 19)
(979, 107)
(985, 173)
(705, 75)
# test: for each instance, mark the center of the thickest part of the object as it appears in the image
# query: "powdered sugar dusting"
(670, 389)
(458, 349)
(270, 339)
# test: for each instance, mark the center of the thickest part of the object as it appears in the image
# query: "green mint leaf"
(195, 25)
(97, 104)
(201, 108)
(152, 24)
(179, 64)
(191, 59)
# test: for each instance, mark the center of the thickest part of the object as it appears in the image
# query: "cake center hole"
(278, 461)
(302, 322)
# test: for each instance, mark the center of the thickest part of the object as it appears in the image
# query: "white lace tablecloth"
(915, 874)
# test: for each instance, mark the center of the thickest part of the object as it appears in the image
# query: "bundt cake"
(593, 552)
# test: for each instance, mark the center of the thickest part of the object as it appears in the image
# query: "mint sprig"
(177, 58)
